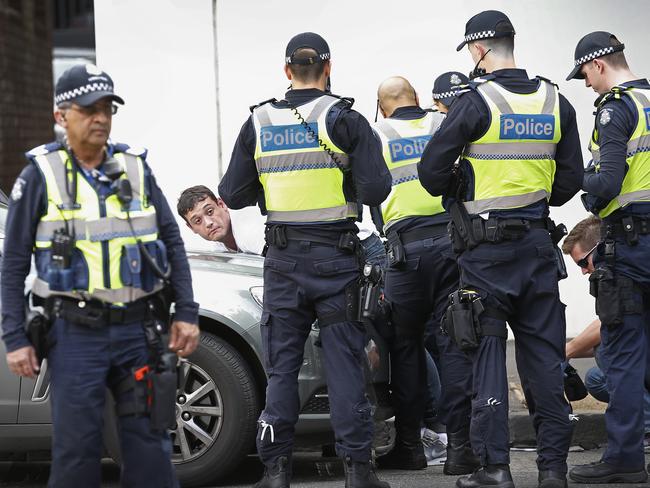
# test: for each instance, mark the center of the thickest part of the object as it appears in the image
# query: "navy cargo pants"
(625, 351)
(83, 362)
(520, 279)
(417, 290)
(304, 281)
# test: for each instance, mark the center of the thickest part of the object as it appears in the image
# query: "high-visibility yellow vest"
(100, 228)
(301, 180)
(514, 161)
(636, 184)
(403, 142)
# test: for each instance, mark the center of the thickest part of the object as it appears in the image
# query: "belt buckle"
(116, 315)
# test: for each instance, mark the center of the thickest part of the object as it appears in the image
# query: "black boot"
(404, 455)
(492, 475)
(276, 475)
(361, 475)
(601, 472)
(551, 479)
(460, 458)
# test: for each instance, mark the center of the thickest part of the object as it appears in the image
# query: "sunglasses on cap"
(583, 262)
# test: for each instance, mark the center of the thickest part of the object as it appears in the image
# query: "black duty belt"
(628, 226)
(423, 233)
(280, 235)
(98, 314)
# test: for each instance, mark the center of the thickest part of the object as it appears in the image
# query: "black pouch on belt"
(396, 254)
(604, 287)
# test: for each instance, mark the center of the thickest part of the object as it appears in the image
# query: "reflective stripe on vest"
(93, 232)
(301, 181)
(403, 142)
(514, 161)
(636, 184)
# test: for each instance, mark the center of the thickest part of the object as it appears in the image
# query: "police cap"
(590, 47)
(309, 40)
(84, 84)
(446, 85)
(487, 25)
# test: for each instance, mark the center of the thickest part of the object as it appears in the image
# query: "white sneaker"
(435, 448)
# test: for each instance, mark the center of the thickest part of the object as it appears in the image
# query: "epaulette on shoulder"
(462, 89)
(44, 149)
(120, 147)
(614, 94)
(547, 80)
(253, 107)
(348, 100)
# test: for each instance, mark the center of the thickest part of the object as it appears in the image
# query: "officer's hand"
(23, 362)
(183, 338)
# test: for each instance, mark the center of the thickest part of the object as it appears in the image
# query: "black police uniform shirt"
(240, 186)
(469, 118)
(24, 214)
(614, 132)
(411, 223)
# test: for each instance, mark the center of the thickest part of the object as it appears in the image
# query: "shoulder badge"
(18, 189)
(605, 116)
(253, 107)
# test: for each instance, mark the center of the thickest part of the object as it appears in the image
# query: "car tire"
(236, 391)
(233, 390)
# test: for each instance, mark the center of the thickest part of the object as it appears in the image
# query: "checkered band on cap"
(82, 90)
(324, 57)
(596, 54)
(449, 94)
(479, 35)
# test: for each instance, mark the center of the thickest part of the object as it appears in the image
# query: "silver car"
(222, 386)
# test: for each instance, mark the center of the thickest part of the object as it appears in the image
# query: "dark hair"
(616, 60)
(191, 196)
(586, 233)
(501, 46)
(306, 73)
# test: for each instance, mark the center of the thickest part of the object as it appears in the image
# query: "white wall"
(160, 55)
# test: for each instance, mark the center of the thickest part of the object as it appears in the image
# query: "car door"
(9, 382)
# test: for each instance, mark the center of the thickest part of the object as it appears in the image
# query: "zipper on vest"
(105, 256)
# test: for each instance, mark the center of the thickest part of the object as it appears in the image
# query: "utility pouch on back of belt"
(396, 254)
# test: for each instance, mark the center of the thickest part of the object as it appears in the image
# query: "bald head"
(395, 92)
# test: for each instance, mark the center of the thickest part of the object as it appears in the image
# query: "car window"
(3, 217)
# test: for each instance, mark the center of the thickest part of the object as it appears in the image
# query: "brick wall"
(25, 82)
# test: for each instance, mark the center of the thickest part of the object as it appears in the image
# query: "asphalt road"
(312, 471)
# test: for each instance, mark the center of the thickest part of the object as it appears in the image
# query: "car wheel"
(217, 407)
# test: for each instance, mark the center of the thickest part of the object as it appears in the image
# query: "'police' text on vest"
(283, 137)
(527, 126)
(408, 147)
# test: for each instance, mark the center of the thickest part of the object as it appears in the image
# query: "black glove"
(574, 388)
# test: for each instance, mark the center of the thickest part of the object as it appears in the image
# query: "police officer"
(617, 183)
(96, 285)
(445, 87)
(309, 159)
(422, 273)
(520, 152)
